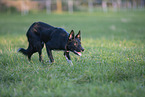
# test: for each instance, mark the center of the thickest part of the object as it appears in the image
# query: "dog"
(54, 38)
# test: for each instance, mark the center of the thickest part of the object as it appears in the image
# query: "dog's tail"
(23, 51)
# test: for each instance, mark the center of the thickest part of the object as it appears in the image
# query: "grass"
(113, 64)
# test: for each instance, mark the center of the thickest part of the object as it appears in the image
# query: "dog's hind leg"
(67, 56)
(31, 52)
(37, 47)
(29, 56)
(40, 56)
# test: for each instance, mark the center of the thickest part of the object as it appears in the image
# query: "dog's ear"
(71, 35)
(79, 35)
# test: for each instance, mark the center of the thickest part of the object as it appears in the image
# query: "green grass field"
(113, 64)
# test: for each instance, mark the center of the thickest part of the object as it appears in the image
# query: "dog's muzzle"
(79, 53)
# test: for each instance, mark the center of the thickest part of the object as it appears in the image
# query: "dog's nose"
(82, 49)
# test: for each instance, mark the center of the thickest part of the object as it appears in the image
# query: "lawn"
(113, 64)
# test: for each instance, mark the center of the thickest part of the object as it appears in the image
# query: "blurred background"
(59, 6)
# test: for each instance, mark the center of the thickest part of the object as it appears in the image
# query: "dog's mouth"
(78, 53)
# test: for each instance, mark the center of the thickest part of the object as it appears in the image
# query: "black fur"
(54, 38)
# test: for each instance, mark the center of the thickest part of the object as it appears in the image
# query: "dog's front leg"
(49, 53)
(67, 56)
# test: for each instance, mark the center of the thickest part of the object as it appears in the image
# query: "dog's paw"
(50, 62)
(70, 62)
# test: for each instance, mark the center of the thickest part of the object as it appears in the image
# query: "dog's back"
(38, 27)
(45, 32)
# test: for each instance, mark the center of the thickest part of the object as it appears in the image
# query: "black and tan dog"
(54, 38)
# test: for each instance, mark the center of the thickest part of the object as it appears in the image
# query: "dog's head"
(74, 43)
